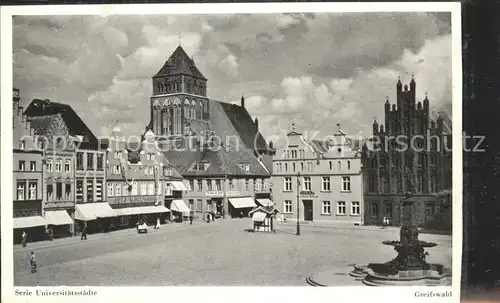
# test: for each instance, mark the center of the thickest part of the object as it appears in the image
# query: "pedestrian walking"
(208, 217)
(24, 239)
(241, 215)
(157, 226)
(191, 219)
(84, 233)
(33, 263)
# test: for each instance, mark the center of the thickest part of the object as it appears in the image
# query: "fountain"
(408, 268)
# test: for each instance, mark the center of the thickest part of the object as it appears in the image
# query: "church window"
(186, 111)
(179, 121)
(202, 110)
(193, 111)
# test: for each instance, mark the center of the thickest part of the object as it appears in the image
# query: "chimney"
(242, 101)
(257, 123)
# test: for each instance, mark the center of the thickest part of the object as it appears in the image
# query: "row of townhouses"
(199, 155)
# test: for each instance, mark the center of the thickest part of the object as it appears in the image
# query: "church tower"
(179, 96)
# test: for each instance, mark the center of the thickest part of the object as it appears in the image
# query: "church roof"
(74, 123)
(179, 63)
(245, 126)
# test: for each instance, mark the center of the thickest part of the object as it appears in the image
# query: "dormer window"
(22, 144)
(245, 167)
(200, 166)
(294, 154)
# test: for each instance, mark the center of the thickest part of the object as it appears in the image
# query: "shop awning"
(140, 210)
(265, 202)
(180, 206)
(258, 217)
(25, 222)
(58, 217)
(178, 185)
(92, 211)
(242, 202)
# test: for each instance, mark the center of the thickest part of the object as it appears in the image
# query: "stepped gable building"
(27, 176)
(87, 167)
(141, 182)
(323, 176)
(216, 146)
(403, 180)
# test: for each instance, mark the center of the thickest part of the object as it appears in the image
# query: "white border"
(219, 294)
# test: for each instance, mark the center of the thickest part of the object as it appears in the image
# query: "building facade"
(27, 177)
(323, 177)
(215, 146)
(407, 163)
(138, 180)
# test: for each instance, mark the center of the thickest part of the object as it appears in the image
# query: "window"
(32, 191)
(287, 207)
(286, 166)
(341, 208)
(331, 165)
(200, 166)
(374, 210)
(325, 184)
(326, 208)
(98, 190)
(232, 184)
(90, 190)
(191, 184)
(67, 165)
(149, 156)
(307, 183)
(245, 167)
(111, 189)
(302, 166)
(58, 165)
(346, 183)
(50, 190)
(100, 161)
(210, 185)
(67, 191)
(309, 166)
(49, 165)
(293, 167)
(22, 165)
(355, 208)
(59, 190)
(116, 154)
(218, 185)
(294, 154)
(90, 161)
(388, 209)
(430, 210)
(125, 189)
(199, 204)
(151, 188)
(21, 190)
(256, 185)
(245, 184)
(117, 169)
(199, 184)
(22, 144)
(340, 165)
(288, 183)
(348, 164)
(118, 189)
(134, 189)
(278, 167)
(301, 153)
(79, 161)
(144, 188)
(79, 190)
(32, 165)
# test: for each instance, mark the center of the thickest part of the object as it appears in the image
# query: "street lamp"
(298, 219)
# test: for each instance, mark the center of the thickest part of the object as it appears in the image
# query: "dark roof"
(223, 161)
(75, 124)
(179, 63)
(245, 126)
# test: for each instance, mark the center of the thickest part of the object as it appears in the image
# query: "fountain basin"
(419, 243)
(435, 275)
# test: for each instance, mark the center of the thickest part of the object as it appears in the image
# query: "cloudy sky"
(316, 70)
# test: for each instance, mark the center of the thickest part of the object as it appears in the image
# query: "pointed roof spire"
(375, 120)
(180, 39)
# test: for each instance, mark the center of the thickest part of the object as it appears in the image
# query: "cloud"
(312, 69)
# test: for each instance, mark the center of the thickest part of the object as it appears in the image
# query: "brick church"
(407, 163)
(216, 146)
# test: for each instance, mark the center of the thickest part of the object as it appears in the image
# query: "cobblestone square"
(220, 253)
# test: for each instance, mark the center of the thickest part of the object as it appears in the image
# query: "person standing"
(33, 263)
(24, 239)
(190, 218)
(157, 226)
(84, 233)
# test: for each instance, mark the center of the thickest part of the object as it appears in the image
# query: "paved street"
(220, 253)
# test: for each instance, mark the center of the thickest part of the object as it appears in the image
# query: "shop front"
(240, 207)
(33, 226)
(59, 223)
(96, 216)
(180, 210)
(132, 209)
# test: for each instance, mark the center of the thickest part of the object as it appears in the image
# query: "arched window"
(202, 110)
(187, 112)
(165, 119)
(193, 110)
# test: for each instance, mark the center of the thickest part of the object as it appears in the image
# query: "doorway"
(308, 210)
